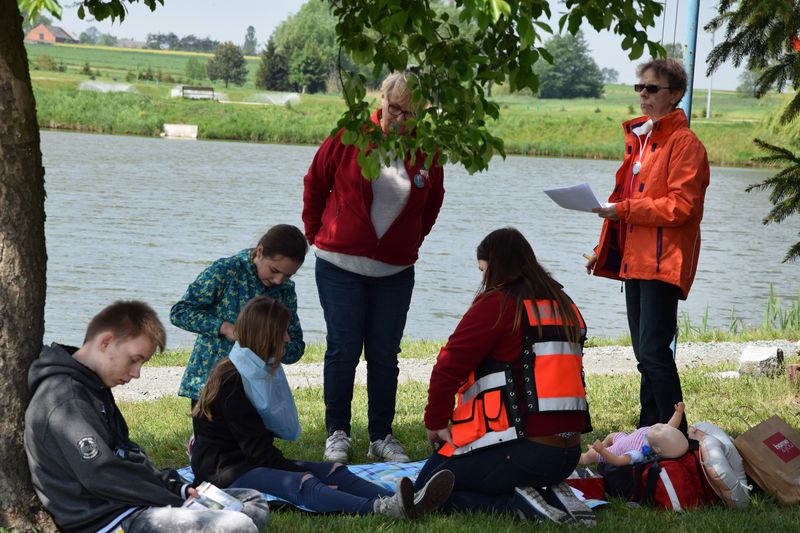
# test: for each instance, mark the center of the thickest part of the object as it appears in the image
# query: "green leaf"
(636, 51)
(370, 164)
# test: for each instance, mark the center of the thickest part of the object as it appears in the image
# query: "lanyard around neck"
(637, 166)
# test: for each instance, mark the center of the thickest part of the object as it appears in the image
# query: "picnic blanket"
(383, 474)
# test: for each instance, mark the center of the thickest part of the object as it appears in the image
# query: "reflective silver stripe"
(494, 380)
(493, 437)
(557, 348)
(673, 496)
(567, 403)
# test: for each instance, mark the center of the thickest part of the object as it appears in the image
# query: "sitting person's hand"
(680, 407)
(437, 436)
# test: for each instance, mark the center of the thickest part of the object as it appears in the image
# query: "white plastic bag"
(268, 391)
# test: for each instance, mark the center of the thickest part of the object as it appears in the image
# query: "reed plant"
(779, 322)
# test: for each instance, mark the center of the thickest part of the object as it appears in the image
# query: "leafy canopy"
(250, 42)
(762, 35)
(573, 73)
(227, 64)
(454, 71)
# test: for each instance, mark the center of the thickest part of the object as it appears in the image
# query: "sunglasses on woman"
(651, 88)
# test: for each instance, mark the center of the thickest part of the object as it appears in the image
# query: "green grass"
(315, 353)
(163, 426)
(780, 322)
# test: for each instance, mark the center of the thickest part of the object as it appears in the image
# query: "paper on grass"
(579, 197)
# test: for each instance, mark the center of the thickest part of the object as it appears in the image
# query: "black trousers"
(653, 319)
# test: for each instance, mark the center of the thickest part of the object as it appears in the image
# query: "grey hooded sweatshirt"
(85, 469)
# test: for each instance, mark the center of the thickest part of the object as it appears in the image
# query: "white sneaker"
(401, 504)
(337, 447)
(434, 494)
(388, 449)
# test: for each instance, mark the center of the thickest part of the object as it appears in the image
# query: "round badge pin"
(637, 166)
(419, 181)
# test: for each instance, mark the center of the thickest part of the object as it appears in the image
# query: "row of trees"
(93, 36)
(188, 43)
(301, 54)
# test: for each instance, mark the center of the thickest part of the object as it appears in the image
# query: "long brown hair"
(511, 267)
(260, 327)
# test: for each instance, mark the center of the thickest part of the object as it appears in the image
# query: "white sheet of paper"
(579, 197)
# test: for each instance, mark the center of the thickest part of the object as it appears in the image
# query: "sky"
(207, 18)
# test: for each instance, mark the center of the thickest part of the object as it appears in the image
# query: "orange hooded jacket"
(663, 213)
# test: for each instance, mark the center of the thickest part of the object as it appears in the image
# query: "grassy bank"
(585, 128)
(163, 427)
(781, 322)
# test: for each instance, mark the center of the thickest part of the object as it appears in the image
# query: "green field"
(117, 62)
(585, 128)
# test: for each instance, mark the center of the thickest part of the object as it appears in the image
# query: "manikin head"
(667, 441)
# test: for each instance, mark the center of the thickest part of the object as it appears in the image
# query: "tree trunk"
(23, 262)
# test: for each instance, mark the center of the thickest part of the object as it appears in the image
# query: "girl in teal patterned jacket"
(213, 301)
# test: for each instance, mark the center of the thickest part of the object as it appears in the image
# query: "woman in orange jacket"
(651, 232)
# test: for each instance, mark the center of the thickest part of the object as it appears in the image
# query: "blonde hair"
(259, 327)
(395, 86)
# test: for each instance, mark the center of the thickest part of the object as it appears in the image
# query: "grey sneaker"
(530, 505)
(562, 497)
(387, 449)
(435, 492)
(401, 504)
(337, 447)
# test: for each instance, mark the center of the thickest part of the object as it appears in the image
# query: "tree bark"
(23, 262)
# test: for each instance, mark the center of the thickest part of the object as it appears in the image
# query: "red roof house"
(49, 34)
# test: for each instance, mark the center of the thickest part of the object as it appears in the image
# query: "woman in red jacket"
(515, 361)
(651, 232)
(367, 235)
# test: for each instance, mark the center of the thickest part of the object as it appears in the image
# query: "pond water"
(131, 217)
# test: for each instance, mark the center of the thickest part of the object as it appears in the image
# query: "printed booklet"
(211, 497)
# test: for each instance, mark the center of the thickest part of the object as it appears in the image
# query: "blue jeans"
(352, 495)
(652, 308)
(485, 479)
(368, 313)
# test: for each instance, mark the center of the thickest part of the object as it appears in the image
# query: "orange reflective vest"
(489, 405)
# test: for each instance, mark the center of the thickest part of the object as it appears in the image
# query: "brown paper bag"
(771, 453)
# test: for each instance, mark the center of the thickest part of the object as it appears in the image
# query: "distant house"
(49, 34)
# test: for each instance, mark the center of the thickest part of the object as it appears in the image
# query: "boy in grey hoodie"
(85, 469)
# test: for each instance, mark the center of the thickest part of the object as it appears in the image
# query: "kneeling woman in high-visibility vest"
(514, 366)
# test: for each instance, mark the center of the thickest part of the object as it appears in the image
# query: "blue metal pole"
(689, 57)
